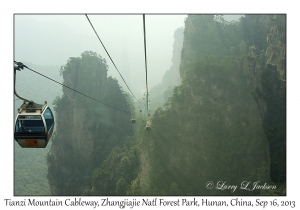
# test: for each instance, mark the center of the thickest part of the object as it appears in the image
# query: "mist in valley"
(45, 43)
(53, 39)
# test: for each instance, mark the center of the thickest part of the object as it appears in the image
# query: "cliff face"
(270, 92)
(171, 78)
(227, 119)
(83, 138)
(263, 66)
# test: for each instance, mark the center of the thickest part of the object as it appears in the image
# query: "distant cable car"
(140, 110)
(148, 128)
(34, 125)
(133, 121)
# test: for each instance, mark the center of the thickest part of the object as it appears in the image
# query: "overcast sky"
(52, 39)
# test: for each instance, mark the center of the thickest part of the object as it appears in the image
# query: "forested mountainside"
(87, 131)
(257, 44)
(29, 163)
(226, 121)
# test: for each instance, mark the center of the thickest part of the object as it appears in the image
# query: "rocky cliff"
(171, 78)
(226, 122)
(86, 130)
(263, 65)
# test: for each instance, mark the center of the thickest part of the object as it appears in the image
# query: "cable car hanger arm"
(19, 66)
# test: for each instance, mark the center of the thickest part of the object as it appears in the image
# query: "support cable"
(111, 58)
(145, 62)
(24, 66)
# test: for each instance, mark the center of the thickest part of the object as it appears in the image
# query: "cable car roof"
(32, 108)
(30, 112)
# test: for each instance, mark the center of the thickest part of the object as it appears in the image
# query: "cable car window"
(29, 117)
(18, 126)
(48, 118)
(30, 126)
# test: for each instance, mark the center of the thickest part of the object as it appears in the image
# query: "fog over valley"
(53, 39)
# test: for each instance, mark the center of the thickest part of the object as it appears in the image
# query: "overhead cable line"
(110, 57)
(71, 88)
(145, 60)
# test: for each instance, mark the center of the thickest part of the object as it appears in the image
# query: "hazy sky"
(52, 39)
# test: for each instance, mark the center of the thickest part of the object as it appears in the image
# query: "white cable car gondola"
(34, 125)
